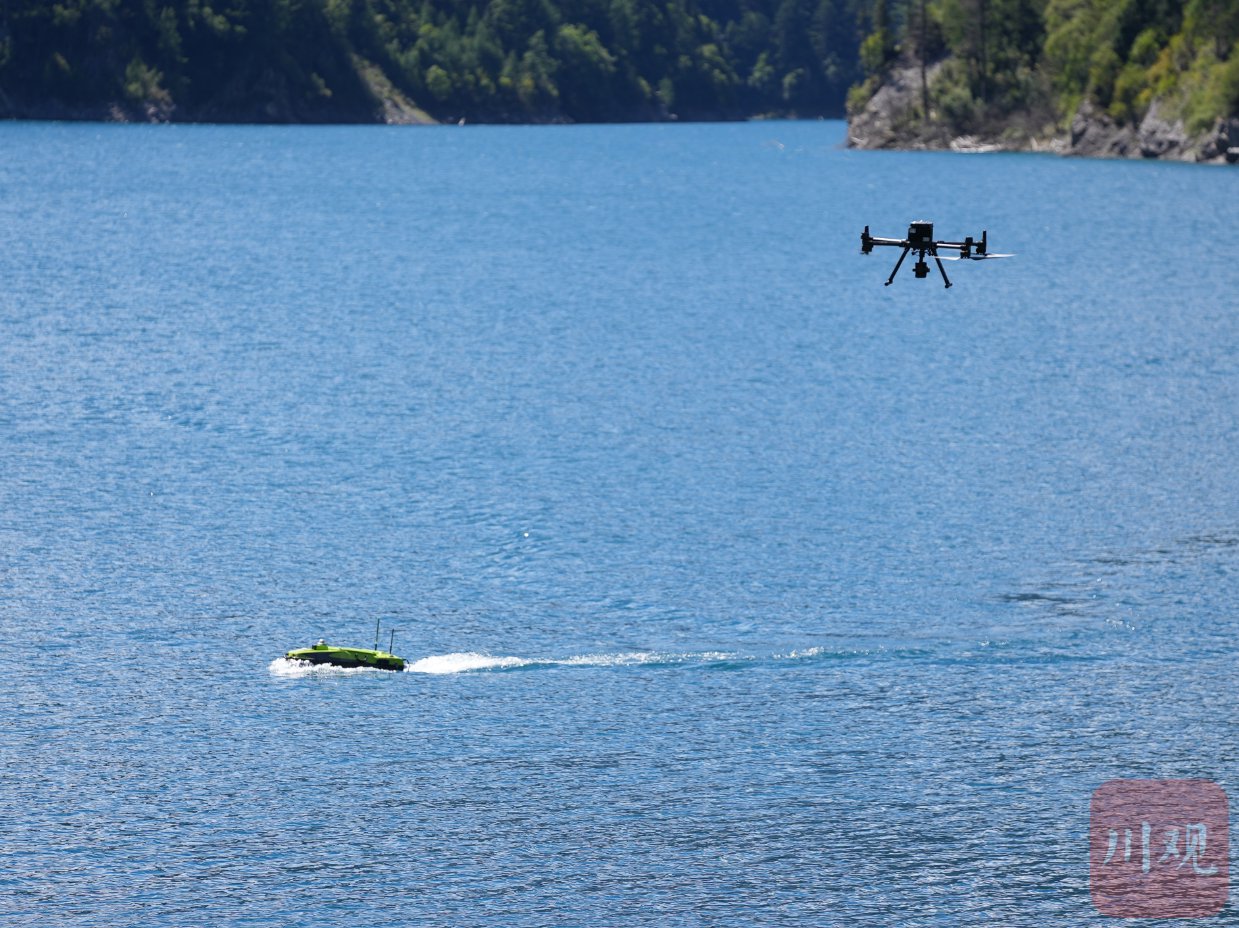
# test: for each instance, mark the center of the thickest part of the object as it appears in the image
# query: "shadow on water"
(1114, 583)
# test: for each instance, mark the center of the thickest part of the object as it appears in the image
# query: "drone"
(921, 240)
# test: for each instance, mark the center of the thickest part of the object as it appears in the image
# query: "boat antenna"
(376, 632)
(391, 642)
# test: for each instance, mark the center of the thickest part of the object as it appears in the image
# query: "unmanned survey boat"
(324, 653)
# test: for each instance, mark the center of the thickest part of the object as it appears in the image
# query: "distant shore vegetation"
(999, 61)
(992, 66)
(497, 61)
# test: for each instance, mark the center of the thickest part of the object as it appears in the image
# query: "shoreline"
(891, 120)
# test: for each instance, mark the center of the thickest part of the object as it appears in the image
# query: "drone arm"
(867, 242)
(898, 264)
(969, 247)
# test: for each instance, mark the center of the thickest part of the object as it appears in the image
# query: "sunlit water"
(735, 587)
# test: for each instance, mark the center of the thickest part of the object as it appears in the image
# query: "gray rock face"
(1161, 138)
(1222, 143)
(1095, 134)
(889, 119)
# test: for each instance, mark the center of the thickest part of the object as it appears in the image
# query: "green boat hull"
(347, 657)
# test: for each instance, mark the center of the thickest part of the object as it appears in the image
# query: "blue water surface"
(737, 588)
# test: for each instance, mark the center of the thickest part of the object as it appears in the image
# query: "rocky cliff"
(892, 119)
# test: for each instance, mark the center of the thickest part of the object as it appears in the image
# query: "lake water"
(738, 589)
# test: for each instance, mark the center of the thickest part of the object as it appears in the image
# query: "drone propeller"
(973, 257)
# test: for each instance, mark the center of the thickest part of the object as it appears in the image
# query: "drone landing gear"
(898, 264)
(921, 268)
(941, 270)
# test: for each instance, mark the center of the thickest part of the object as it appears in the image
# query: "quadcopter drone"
(921, 240)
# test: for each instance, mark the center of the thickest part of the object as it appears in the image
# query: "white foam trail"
(283, 667)
(465, 661)
(644, 657)
(611, 660)
(798, 655)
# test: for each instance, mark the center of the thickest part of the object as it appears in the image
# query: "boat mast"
(376, 632)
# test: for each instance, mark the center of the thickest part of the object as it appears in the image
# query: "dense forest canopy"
(603, 60)
(1048, 57)
(502, 60)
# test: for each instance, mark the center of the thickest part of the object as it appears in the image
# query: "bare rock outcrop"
(891, 117)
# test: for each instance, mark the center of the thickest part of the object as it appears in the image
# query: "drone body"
(921, 240)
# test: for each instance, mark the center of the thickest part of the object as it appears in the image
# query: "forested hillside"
(503, 60)
(1107, 76)
(1097, 76)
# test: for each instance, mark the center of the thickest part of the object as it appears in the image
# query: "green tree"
(586, 73)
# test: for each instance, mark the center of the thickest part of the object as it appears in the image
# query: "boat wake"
(463, 663)
(466, 661)
(477, 662)
(472, 661)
